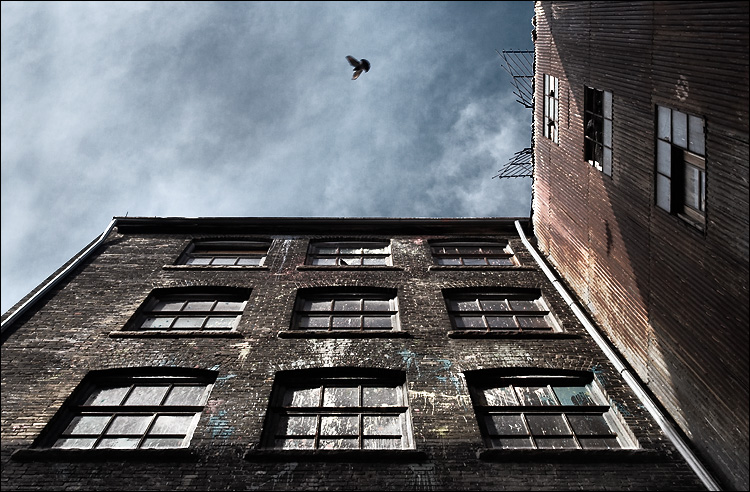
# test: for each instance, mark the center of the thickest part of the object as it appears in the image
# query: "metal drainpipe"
(631, 380)
(7, 322)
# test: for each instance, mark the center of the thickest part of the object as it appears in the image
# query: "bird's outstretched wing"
(353, 61)
(357, 73)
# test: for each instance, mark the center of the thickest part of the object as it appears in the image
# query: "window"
(225, 253)
(551, 108)
(598, 129)
(177, 311)
(538, 411)
(146, 411)
(346, 311)
(321, 410)
(349, 253)
(499, 312)
(474, 253)
(681, 165)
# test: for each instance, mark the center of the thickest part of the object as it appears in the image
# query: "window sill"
(175, 334)
(479, 267)
(99, 455)
(343, 334)
(214, 267)
(509, 334)
(570, 455)
(337, 455)
(349, 267)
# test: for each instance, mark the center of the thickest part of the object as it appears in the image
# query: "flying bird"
(358, 65)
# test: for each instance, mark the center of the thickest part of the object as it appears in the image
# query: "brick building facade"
(641, 197)
(317, 354)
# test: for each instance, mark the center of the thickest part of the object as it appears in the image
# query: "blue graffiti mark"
(598, 373)
(409, 359)
(219, 426)
(223, 379)
(621, 407)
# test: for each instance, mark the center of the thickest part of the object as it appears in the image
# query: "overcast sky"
(248, 109)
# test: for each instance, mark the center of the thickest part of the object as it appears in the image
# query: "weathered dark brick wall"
(69, 334)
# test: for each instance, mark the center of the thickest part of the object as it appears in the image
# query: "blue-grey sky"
(218, 109)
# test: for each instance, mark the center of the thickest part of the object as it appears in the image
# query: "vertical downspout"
(7, 322)
(629, 378)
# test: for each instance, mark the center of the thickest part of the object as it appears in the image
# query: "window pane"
(534, 395)
(607, 105)
(375, 250)
(66, 443)
(500, 261)
(574, 395)
(198, 261)
(185, 395)
(249, 261)
(108, 396)
(224, 261)
(584, 425)
(168, 306)
(338, 425)
(162, 442)
(303, 425)
(692, 187)
(501, 322)
(663, 194)
(229, 306)
(607, 133)
(533, 322)
(347, 322)
(350, 261)
(506, 425)
(555, 443)
(464, 305)
(380, 397)
(129, 424)
(381, 443)
(199, 306)
(324, 261)
(306, 397)
(147, 395)
(519, 305)
(294, 443)
(184, 323)
(679, 129)
(664, 158)
(607, 164)
(118, 443)
(543, 425)
(381, 424)
(317, 306)
(221, 322)
(88, 424)
(493, 305)
(313, 322)
(501, 396)
(378, 322)
(448, 261)
(474, 261)
(512, 443)
(377, 305)
(599, 443)
(346, 305)
(336, 396)
(339, 443)
(374, 261)
(696, 136)
(469, 322)
(157, 323)
(350, 251)
(664, 125)
(172, 424)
